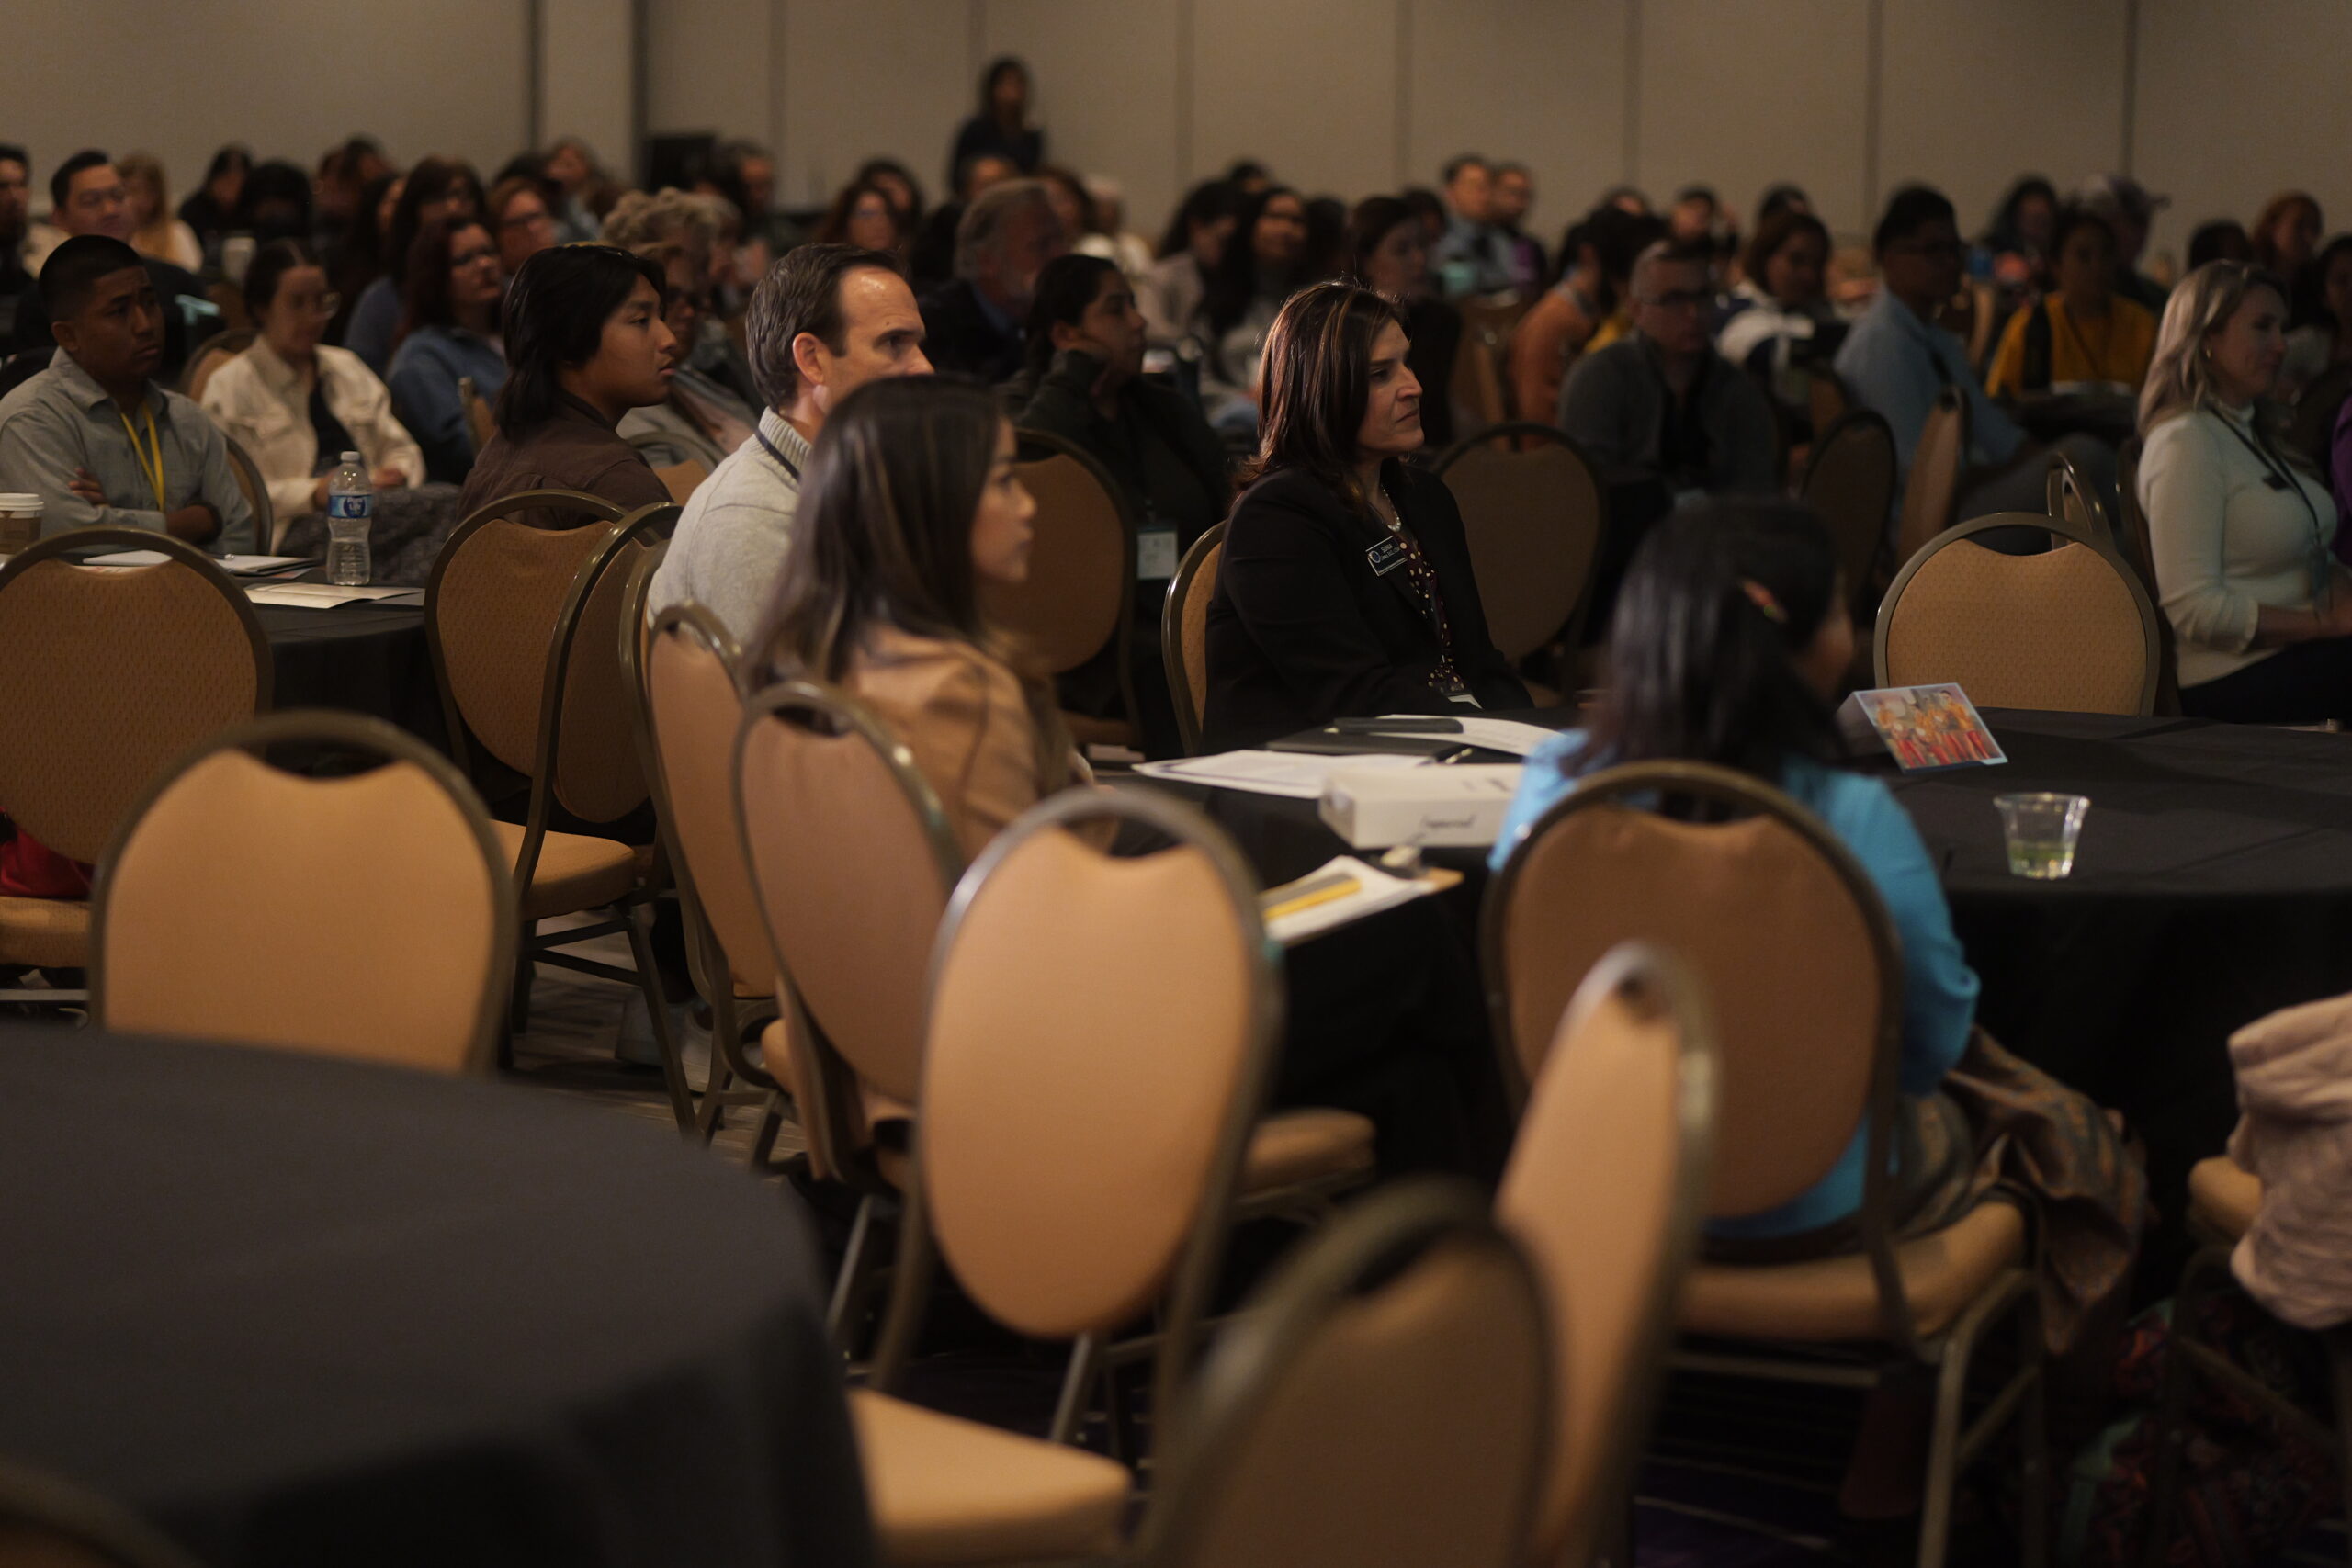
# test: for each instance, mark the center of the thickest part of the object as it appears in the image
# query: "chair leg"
(763, 1136)
(1084, 1357)
(848, 1285)
(638, 919)
(711, 1119)
(2172, 1430)
(518, 1011)
(1943, 1455)
(2034, 1513)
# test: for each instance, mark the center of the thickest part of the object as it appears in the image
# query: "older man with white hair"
(824, 321)
(976, 319)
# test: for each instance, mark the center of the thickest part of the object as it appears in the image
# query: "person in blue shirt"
(1730, 641)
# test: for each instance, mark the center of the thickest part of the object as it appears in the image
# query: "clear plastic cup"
(2041, 831)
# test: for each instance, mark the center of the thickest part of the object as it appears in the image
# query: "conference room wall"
(177, 78)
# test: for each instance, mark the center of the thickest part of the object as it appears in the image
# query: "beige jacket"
(257, 399)
(963, 715)
(2294, 1073)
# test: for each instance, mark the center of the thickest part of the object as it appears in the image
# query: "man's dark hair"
(60, 184)
(555, 320)
(1617, 239)
(12, 154)
(1461, 160)
(1698, 193)
(802, 293)
(71, 273)
(1908, 210)
(276, 202)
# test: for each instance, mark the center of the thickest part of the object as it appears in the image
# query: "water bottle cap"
(351, 458)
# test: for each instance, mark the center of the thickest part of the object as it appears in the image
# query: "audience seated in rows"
(2081, 336)
(1383, 250)
(585, 343)
(436, 190)
(2261, 613)
(87, 197)
(1597, 257)
(96, 435)
(1169, 293)
(1260, 268)
(1663, 402)
(825, 321)
(448, 332)
(1345, 589)
(972, 323)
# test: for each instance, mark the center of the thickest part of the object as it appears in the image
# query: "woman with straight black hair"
(585, 343)
(1002, 128)
(1261, 267)
(436, 190)
(1171, 289)
(1383, 249)
(1346, 588)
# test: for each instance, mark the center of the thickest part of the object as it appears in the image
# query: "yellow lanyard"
(150, 457)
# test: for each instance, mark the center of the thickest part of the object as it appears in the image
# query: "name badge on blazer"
(1386, 556)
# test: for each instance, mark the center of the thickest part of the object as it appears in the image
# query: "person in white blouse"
(2239, 532)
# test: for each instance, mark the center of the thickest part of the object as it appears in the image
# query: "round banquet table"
(369, 659)
(304, 1312)
(2212, 884)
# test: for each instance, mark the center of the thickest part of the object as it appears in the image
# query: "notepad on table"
(318, 595)
(1343, 889)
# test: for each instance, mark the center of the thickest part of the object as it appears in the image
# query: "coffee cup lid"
(19, 504)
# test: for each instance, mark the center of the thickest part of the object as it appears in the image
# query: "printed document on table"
(1487, 734)
(318, 595)
(1297, 774)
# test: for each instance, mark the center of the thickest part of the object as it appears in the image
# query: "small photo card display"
(1926, 729)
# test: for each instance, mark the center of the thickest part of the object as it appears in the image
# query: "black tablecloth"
(2213, 885)
(369, 659)
(305, 1313)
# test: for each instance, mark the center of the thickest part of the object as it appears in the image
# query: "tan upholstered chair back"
(1768, 908)
(1827, 399)
(1605, 1189)
(1850, 481)
(1082, 562)
(681, 478)
(1184, 633)
(2069, 630)
(213, 353)
(107, 676)
(1381, 1403)
(852, 859)
(1099, 1031)
(1534, 518)
(482, 420)
(370, 916)
(1938, 465)
(695, 711)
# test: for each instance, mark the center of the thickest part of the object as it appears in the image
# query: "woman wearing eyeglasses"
(294, 403)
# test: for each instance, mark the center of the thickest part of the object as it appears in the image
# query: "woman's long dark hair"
(556, 313)
(1313, 383)
(268, 268)
(1369, 224)
(1066, 287)
(432, 179)
(426, 295)
(996, 69)
(834, 227)
(1231, 285)
(1717, 604)
(1205, 203)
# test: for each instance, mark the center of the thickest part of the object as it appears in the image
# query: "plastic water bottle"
(351, 508)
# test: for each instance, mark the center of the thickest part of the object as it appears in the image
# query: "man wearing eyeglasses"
(1662, 401)
(87, 197)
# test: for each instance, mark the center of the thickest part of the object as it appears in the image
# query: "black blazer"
(1301, 632)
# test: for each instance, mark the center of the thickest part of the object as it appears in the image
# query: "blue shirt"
(375, 321)
(1897, 363)
(1939, 987)
(425, 398)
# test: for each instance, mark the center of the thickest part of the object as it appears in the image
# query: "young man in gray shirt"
(825, 321)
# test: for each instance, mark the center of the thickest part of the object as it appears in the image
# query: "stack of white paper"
(1300, 775)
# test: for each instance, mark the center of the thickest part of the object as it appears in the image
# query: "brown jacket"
(575, 450)
(963, 715)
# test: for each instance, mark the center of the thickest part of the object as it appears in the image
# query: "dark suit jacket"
(958, 337)
(1301, 632)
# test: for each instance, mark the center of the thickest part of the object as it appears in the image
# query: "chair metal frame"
(351, 732)
(79, 541)
(1570, 631)
(734, 1022)
(1123, 633)
(1189, 703)
(1245, 1375)
(2152, 680)
(627, 529)
(1861, 565)
(2133, 543)
(1192, 1282)
(2064, 487)
(1953, 1442)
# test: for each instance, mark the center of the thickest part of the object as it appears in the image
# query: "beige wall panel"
(1541, 82)
(1106, 84)
(1309, 87)
(1978, 92)
(1740, 96)
(867, 78)
(585, 50)
(709, 66)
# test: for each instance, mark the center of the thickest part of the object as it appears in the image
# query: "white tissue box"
(1441, 807)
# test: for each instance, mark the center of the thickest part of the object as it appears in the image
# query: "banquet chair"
(681, 478)
(1827, 400)
(369, 917)
(2224, 1198)
(1535, 512)
(2139, 552)
(1184, 632)
(1477, 383)
(482, 420)
(1938, 473)
(2070, 630)
(1850, 481)
(267, 527)
(1805, 974)
(1099, 1042)
(2068, 498)
(1605, 1187)
(90, 713)
(1079, 598)
(47, 1521)
(210, 356)
(689, 708)
(1381, 1401)
(525, 626)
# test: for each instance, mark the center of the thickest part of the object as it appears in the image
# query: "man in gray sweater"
(1662, 400)
(825, 321)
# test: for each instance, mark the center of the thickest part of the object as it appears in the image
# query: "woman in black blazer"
(1345, 589)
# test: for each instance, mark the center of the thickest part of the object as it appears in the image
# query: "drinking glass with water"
(351, 511)
(2041, 831)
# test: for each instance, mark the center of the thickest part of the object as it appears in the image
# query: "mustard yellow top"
(2110, 353)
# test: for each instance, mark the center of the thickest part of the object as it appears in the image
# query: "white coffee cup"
(20, 523)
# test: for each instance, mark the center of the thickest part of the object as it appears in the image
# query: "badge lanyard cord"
(150, 458)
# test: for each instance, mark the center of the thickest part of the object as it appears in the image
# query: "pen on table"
(1312, 892)
(1455, 756)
